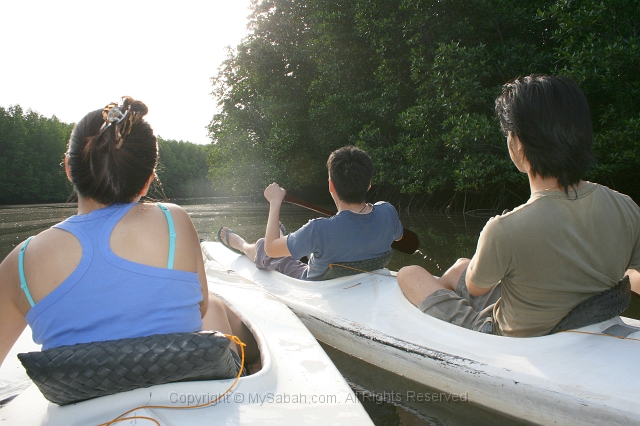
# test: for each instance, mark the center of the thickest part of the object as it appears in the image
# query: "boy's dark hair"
(350, 169)
(106, 169)
(550, 115)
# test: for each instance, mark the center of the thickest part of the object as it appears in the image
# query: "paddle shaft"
(409, 242)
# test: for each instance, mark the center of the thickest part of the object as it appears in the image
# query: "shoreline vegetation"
(32, 148)
(412, 82)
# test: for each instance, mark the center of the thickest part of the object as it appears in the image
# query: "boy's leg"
(238, 243)
(285, 265)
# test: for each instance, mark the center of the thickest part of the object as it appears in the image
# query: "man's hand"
(274, 193)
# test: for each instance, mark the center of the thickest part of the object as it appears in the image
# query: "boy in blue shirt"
(359, 231)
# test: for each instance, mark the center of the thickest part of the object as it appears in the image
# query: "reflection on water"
(393, 400)
(18, 223)
(442, 241)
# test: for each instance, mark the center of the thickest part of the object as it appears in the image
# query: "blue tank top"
(107, 297)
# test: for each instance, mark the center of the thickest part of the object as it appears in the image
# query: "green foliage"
(32, 148)
(31, 152)
(598, 45)
(414, 82)
(182, 169)
(262, 133)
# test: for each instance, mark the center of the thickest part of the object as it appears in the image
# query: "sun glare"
(70, 57)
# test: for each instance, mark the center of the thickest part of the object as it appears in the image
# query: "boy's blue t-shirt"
(345, 237)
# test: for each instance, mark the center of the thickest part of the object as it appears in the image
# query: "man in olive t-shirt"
(555, 252)
(572, 240)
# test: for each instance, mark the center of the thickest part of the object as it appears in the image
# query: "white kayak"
(297, 384)
(576, 377)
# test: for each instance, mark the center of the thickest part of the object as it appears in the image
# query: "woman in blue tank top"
(119, 268)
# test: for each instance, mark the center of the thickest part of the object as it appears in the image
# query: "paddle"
(409, 242)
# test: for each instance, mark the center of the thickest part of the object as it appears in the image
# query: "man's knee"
(409, 275)
(417, 283)
(461, 263)
(451, 277)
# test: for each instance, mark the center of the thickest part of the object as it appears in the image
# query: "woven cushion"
(601, 307)
(344, 269)
(69, 374)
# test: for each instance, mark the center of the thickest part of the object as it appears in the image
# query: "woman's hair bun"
(113, 152)
(136, 106)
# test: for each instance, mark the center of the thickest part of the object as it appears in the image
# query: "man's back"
(558, 251)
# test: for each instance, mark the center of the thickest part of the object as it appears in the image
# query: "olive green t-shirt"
(555, 252)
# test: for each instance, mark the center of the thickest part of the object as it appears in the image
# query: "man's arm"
(634, 277)
(274, 245)
(491, 260)
(474, 290)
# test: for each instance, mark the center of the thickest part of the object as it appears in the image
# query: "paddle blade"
(409, 242)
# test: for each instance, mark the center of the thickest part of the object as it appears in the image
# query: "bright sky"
(67, 58)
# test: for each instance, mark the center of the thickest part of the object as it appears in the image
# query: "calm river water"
(442, 240)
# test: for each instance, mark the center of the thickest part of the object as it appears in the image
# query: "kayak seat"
(601, 307)
(69, 374)
(343, 269)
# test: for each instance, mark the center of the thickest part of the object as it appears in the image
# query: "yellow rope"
(122, 417)
(151, 419)
(331, 265)
(600, 334)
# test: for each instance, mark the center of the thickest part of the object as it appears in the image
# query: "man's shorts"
(461, 308)
(285, 265)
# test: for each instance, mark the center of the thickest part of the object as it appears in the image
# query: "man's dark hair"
(550, 115)
(350, 169)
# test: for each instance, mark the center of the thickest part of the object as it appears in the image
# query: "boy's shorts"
(461, 308)
(285, 265)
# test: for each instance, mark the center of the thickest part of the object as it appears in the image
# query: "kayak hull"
(566, 378)
(297, 384)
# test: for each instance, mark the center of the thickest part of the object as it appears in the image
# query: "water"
(386, 397)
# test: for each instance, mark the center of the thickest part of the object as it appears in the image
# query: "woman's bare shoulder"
(49, 258)
(142, 236)
(50, 243)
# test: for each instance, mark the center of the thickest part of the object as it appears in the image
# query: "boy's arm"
(274, 245)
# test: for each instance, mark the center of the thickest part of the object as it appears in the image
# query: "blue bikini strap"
(172, 235)
(23, 279)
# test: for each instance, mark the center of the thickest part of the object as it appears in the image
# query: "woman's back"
(117, 282)
(105, 273)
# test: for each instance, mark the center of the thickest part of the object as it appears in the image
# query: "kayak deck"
(298, 383)
(579, 378)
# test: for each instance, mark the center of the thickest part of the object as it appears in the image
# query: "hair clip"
(115, 114)
(124, 121)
